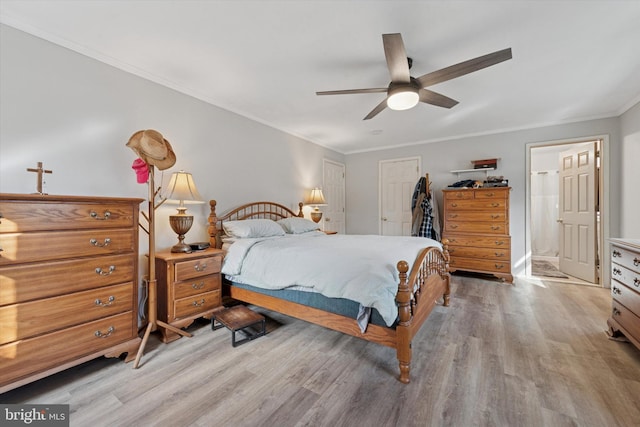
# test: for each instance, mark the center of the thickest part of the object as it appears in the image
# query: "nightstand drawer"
(625, 296)
(197, 285)
(626, 258)
(185, 270)
(197, 304)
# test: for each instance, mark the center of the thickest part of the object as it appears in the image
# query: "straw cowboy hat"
(151, 147)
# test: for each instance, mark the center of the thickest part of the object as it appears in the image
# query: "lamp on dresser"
(316, 198)
(182, 190)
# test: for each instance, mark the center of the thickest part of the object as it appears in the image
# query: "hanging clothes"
(422, 210)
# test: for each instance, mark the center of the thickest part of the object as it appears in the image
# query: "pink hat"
(142, 170)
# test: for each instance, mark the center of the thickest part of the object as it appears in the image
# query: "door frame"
(380, 163)
(603, 189)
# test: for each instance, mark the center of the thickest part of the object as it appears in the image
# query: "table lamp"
(316, 199)
(182, 190)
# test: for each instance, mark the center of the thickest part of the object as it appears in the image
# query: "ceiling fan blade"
(465, 67)
(396, 58)
(434, 98)
(376, 110)
(352, 91)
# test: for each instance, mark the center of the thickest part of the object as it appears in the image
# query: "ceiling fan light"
(403, 99)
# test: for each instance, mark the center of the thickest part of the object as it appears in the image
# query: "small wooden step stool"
(240, 318)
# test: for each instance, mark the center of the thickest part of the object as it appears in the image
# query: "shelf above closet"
(485, 170)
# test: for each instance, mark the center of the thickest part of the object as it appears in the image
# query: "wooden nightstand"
(189, 287)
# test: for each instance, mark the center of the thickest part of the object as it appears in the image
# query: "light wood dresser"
(625, 289)
(68, 283)
(476, 222)
(189, 287)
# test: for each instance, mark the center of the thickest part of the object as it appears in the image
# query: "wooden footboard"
(421, 285)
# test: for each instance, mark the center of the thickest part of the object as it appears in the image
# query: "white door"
(577, 210)
(333, 190)
(398, 179)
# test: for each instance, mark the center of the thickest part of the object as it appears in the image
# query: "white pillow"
(296, 225)
(252, 228)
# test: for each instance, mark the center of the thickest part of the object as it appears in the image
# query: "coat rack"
(154, 323)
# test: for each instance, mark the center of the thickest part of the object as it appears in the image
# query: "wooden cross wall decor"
(40, 170)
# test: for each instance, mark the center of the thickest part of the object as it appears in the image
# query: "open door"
(578, 212)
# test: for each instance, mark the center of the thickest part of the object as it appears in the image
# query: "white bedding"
(361, 268)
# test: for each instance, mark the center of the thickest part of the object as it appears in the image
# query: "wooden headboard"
(255, 210)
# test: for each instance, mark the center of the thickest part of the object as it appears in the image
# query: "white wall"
(76, 114)
(439, 158)
(630, 180)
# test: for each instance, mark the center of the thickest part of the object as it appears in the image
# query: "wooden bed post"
(445, 250)
(212, 229)
(403, 298)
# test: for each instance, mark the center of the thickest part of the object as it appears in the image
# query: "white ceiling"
(572, 60)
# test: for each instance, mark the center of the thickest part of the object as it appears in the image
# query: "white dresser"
(625, 289)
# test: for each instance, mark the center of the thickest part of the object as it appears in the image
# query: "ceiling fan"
(404, 91)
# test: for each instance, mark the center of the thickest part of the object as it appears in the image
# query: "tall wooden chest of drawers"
(476, 222)
(189, 287)
(68, 283)
(625, 289)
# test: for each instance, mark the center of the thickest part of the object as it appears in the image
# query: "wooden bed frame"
(428, 277)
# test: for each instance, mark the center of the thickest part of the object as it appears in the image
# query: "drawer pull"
(616, 291)
(636, 282)
(499, 266)
(198, 304)
(99, 302)
(110, 331)
(199, 267)
(451, 241)
(94, 242)
(499, 242)
(453, 215)
(499, 254)
(106, 216)
(495, 205)
(101, 272)
(617, 271)
(495, 227)
(616, 312)
(454, 205)
(616, 254)
(489, 194)
(636, 262)
(495, 216)
(453, 226)
(197, 285)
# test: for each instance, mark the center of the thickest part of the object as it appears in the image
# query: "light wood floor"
(523, 355)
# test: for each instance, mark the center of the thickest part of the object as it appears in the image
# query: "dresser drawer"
(502, 242)
(19, 321)
(39, 216)
(196, 304)
(197, 286)
(626, 276)
(458, 195)
(29, 282)
(626, 296)
(477, 227)
(42, 246)
(497, 254)
(185, 270)
(628, 320)
(487, 216)
(24, 357)
(498, 205)
(480, 264)
(625, 258)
